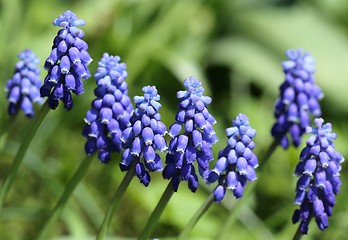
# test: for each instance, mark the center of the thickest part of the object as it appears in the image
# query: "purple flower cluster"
(299, 98)
(192, 137)
(144, 136)
(111, 110)
(237, 162)
(23, 87)
(67, 63)
(319, 178)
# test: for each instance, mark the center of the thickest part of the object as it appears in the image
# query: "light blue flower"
(23, 87)
(67, 63)
(318, 175)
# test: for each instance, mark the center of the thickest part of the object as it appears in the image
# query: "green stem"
(114, 202)
(31, 131)
(195, 218)
(298, 235)
(76, 178)
(268, 154)
(157, 212)
(230, 219)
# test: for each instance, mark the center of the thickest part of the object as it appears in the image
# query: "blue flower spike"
(144, 136)
(318, 175)
(192, 135)
(24, 87)
(299, 98)
(110, 111)
(236, 163)
(67, 63)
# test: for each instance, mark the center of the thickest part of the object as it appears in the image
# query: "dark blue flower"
(111, 110)
(23, 87)
(192, 137)
(236, 163)
(299, 98)
(319, 177)
(144, 136)
(67, 63)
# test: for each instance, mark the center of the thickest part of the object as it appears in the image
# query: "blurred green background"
(234, 47)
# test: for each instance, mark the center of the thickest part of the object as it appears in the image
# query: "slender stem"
(157, 212)
(114, 202)
(31, 131)
(76, 178)
(268, 153)
(249, 190)
(298, 235)
(195, 218)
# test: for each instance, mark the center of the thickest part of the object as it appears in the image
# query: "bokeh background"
(235, 48)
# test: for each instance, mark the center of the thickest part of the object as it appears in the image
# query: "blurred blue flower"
(23, 87)
(192, 137)
(144, 136)
(319, 177)
(299, 98)
(236, 163)
(111, 110)
(67, 63)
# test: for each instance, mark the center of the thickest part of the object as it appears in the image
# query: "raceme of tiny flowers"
(236, 163)
(299, 98)
(67, 63)
(319, 178)
(192, 137)
(23, 87)
(144, 136)
(111, 110)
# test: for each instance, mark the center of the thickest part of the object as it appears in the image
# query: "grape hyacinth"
(299, 98)
(192, 137)
(236, 163)
(111, 110)
(23, 87)
(67, 63)
(319, 177)
(144, 136)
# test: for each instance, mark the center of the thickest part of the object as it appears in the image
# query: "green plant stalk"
(269, 152)
(298, 235)
(31, 131)
(230, 219)
(157, 212)
(195, 218)
(115, 201)
(76, 178)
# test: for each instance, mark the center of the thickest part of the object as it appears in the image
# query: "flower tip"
(319, 122)
(293, 54)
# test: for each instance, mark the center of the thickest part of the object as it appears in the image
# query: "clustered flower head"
(319, 178)
(111, 110)
(144, 136)
(192, 137)
(67, 63)
(236, 163)
(23, 87)
(299, 98)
